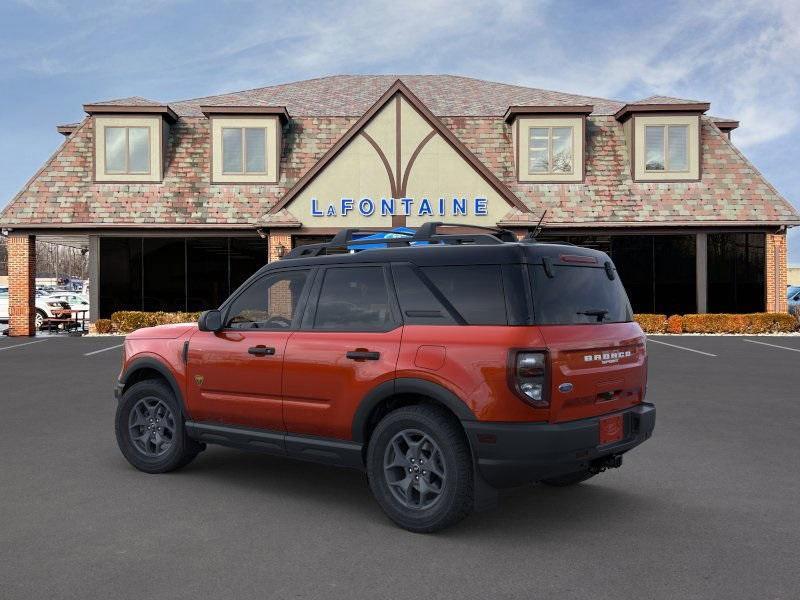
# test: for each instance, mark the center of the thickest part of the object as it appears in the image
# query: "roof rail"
(346, 237)
(426, 234)
(429, 230)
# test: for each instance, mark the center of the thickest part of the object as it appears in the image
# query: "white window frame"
(272, 133)
(158, 132)
(635, 133)
(550, 170)
(243, 129)
(127, 170)
(665, 148)
(521, 138)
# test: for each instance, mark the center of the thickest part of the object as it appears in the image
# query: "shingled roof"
(731, 191)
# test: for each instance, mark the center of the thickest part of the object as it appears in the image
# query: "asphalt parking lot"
(708, 508)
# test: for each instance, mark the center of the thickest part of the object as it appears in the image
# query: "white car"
(76, 300)
(47, 307)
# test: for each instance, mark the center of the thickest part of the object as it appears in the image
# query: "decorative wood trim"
(131, 109)
(279, 111)
(412, 158)
(399, 87)
(384, 160)
(515, 111)
(630, 109)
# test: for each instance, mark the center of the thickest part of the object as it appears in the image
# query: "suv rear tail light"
(529, 377)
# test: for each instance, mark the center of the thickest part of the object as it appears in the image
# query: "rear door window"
(354, 299)
(577, 295)
(475, 291)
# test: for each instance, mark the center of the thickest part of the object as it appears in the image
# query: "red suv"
(446, 364)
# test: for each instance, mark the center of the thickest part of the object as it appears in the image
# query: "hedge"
(103, 326)
(125, 321)
(652, 323)
(719, 323)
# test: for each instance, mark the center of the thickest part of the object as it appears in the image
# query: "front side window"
(244, 150)
(353, 299)
(550, 150)
(666, 147)
(127, 150)
(268, 303)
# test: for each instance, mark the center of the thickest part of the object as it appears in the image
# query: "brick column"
(776, 271)
(21, 284)
(278, 238)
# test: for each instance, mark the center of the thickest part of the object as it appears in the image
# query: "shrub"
(652, 323)
(746, 323)
(675, 324)
(103, 326)
(126, 321)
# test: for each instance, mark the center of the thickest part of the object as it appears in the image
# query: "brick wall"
(278, 238)
(21, 284)
(776, 273)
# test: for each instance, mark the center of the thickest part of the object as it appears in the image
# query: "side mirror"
(210, 320)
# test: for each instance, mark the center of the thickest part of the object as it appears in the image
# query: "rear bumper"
(510, 454)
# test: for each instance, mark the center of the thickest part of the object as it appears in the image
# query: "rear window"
(577, 295)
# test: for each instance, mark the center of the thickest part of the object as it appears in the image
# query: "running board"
(305, 447)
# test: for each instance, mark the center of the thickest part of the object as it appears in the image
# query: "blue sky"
(56, 55)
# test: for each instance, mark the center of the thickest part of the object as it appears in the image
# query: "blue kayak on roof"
(394, 233)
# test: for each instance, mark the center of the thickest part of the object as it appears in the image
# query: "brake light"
(529, 377)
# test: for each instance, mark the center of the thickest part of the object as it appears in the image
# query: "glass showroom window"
(550, 150)
(127, 150)
(666, 148)
(244, 150)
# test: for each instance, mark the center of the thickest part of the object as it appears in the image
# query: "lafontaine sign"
(422, 207)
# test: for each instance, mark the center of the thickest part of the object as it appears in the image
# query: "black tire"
(569, 479)
(175, 453)
(455, 498)
(39, 318)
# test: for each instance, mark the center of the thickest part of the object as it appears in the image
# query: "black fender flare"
(406, 385)
(147, 362)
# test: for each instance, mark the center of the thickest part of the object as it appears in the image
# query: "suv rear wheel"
(150, 429)
(420, 469)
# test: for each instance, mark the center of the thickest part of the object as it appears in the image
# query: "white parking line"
(681, 347)
(20, 345)
(771, 345)
(103, 350)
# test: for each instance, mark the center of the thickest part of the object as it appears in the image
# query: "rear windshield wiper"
(600, 313)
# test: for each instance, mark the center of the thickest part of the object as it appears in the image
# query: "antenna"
(538, 227)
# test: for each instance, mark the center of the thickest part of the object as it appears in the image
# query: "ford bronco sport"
(445, 364)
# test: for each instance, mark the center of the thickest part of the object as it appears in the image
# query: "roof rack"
(428, 233)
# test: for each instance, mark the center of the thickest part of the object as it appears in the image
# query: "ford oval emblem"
(565, 387)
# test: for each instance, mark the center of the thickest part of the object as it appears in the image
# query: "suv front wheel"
(420, 468)
(150, 429)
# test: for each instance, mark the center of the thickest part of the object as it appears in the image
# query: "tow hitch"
(613, 461)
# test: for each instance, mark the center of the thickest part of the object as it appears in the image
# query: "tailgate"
(594, 369)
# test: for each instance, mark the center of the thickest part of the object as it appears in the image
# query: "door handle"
(363, 355)
(261, 351)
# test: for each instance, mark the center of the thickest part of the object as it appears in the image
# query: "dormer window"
(244, 150)
(129, 140)
(666, 148)
(550, 150)
(127, 150)
(245, 143)
(548, 142)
